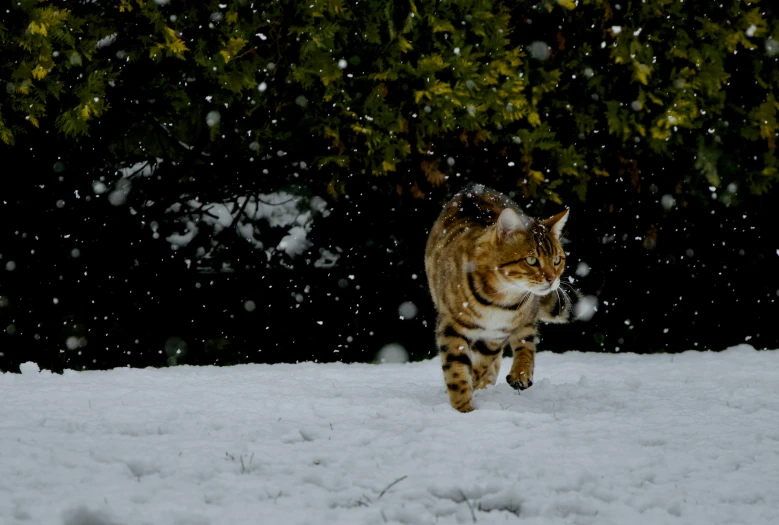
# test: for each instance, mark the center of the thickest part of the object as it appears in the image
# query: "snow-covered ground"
(600, 439)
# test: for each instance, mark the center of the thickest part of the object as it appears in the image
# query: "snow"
(295, 242)
(145, 169)
(327, 259)
(118, 195)
(690, 438)
(212, 118)
(392, 353)
(586, 308)
(539, 50)
(583, 269)
(279, 209)
(407, 310)
(29, 368)
(106, 41)
(183, 239)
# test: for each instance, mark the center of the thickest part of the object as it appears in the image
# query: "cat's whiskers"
(569, 285)
(566, 298)
(509, 287)
(522, 289)
(522, 301)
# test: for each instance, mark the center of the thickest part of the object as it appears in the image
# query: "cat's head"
(526, 253)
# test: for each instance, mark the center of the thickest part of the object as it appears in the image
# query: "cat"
(493, 273)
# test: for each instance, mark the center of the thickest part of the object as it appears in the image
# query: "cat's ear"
(510, 221)
(557, 223)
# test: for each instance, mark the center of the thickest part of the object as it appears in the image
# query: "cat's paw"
(519, 383)
(464, 408)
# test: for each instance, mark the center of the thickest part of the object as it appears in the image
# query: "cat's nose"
(549, 278)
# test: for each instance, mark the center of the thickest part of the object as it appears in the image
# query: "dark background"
(675, 264)
(700, 276)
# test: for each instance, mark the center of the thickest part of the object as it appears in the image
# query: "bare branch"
(136, 172)
(274, 203)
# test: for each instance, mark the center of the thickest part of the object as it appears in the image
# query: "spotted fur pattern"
(494, 273)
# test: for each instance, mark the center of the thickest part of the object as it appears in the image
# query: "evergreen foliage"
(557, 92)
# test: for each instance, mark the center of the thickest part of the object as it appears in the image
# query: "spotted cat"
(494, 273)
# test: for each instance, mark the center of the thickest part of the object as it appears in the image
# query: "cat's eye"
(532, 261)
(557, 259)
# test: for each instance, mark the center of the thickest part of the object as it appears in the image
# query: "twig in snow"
(473, 514)
(383, 516)
(364, 501)
(514, 508)
(391, 485)
(271, 496)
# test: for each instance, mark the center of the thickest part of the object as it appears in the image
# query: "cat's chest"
(494, 324)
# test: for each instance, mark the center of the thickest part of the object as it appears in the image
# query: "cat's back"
(473, 209)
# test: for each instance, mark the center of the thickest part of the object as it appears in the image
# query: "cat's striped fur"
(494, 273)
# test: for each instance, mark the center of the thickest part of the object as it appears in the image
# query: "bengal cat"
(494, 273)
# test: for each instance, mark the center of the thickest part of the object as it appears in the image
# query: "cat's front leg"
(486, 357)
(524, 347)
(454, 350)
